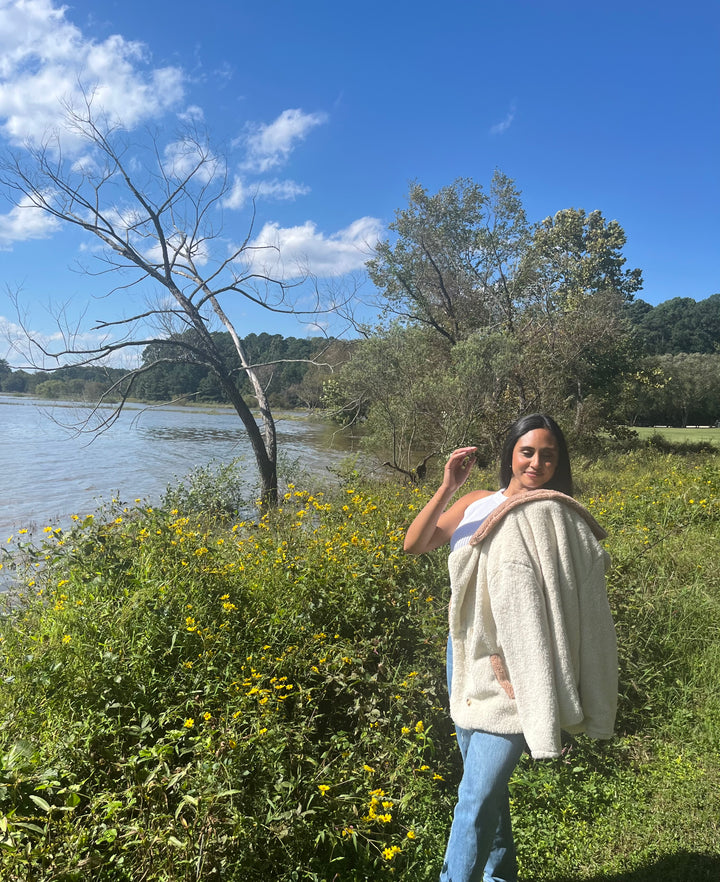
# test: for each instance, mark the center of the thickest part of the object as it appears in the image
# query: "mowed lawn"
(681, 435)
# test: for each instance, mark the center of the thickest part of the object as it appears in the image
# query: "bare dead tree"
(159, 216)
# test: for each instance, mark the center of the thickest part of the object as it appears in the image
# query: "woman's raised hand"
(433, 526)
(458, 467)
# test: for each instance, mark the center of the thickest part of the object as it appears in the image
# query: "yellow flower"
(323, 788)
(405, 730)
(389, 853)
(419, 727)
(67, 638)
(189, 723)
(410, 834)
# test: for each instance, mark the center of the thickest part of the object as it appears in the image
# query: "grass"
(187, 696)
(676, 435)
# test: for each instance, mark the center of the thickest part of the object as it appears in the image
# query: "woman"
(532, 644)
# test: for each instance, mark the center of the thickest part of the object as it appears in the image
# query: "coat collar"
(518, 499)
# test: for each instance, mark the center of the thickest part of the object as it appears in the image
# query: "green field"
(680, 435)
(189, 697)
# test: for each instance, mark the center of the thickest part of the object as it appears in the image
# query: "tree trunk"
(267, 465)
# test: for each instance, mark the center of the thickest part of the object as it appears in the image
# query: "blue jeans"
(481, 846)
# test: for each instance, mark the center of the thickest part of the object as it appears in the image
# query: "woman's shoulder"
(474, 496)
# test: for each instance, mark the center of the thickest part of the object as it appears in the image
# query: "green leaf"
(41, 803)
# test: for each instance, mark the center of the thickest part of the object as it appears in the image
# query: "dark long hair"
(562, 479)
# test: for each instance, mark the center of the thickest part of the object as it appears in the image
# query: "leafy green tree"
(454, 264)
(396, 384)
(522, 318)
(691, 392)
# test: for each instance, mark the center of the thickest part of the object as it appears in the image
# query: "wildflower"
(419, 727)
(323, 788)
(207, 716)
(67, 638)
(368, 768)
(405, 730)
(389, 853)
(189, 723)
(410, 834)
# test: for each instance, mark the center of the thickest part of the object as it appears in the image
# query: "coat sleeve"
(546, 581)
(516, 591)
(598, 654)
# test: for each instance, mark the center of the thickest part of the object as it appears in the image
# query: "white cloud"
(288, 252)
(241, 193)
(44, 59)
(270, 145)
(502, 127)
(25, 221)
(187, 157)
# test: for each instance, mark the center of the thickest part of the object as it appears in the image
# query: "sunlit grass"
(679, 435)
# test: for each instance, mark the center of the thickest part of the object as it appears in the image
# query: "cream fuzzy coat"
(533, 639)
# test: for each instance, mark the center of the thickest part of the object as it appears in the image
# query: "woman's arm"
(434, 525)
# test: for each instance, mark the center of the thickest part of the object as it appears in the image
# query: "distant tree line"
(680, 325)
(669, 357)
(293, 371)
(675, 379)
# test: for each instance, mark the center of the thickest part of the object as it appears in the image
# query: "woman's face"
(534, 460)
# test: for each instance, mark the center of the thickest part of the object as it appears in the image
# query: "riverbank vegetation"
(292, 369)
(189, 696)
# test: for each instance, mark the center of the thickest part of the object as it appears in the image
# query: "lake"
(49, 472)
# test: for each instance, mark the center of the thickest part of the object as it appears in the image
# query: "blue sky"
(329, 110)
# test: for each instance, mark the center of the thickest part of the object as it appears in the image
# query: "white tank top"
(474, 515)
